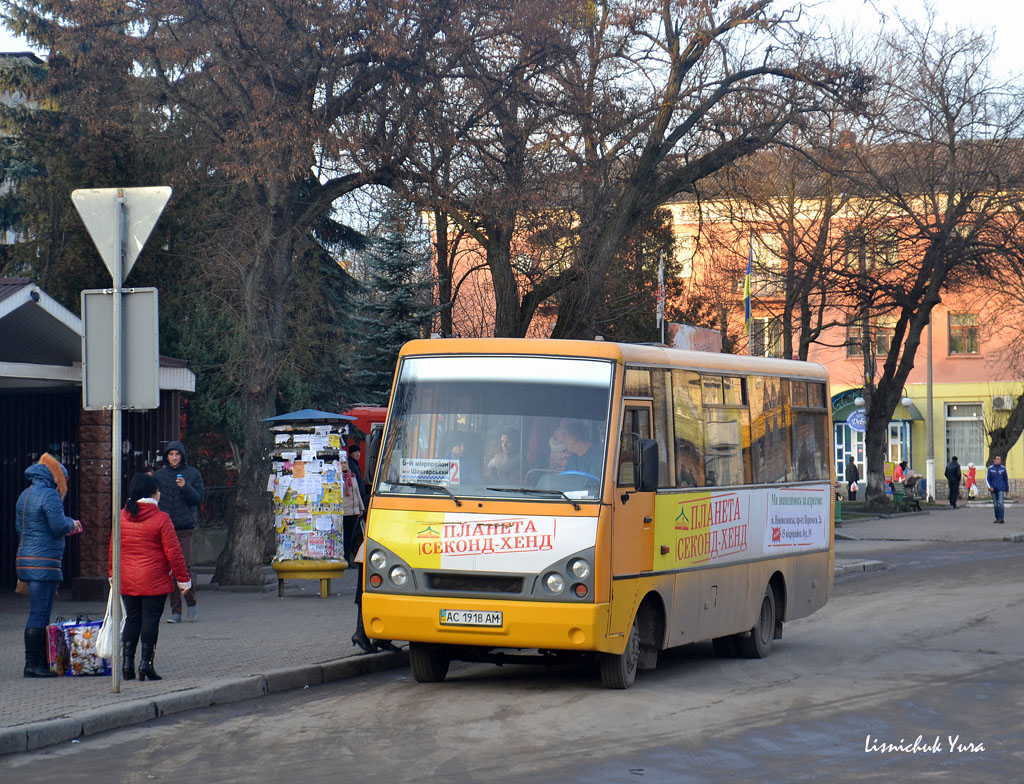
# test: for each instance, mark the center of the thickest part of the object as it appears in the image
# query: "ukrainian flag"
(746, 288)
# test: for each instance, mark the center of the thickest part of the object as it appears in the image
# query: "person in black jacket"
(852, 477)
(181, 492)
(953, 476)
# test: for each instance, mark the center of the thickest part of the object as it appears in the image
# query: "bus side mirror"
(373, 451)
(645, 466)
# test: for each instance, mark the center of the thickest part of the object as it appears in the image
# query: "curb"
(35, 735)
(858, 566)
(1014, 538)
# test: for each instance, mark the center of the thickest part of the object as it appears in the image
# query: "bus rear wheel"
(758, 643)
(429, 663)
(618, 670)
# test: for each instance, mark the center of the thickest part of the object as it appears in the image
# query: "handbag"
(57, 648)
(107, 638)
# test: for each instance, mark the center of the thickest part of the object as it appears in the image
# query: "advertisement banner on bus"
(711, 527)
(478, 542)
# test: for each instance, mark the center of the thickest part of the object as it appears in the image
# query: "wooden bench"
(905, 498)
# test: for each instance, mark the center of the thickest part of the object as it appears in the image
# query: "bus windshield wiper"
(424, 486)
(539, 491)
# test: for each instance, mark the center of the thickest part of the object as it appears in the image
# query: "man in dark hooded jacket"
(181, 492)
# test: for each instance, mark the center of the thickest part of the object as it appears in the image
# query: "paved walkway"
(249, 643)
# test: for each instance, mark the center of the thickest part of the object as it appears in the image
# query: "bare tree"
(931, 164)
(668, 94)
(292, 105)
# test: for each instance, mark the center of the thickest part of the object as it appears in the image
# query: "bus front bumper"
(544, 625)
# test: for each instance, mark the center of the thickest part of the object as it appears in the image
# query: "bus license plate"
(470, 618)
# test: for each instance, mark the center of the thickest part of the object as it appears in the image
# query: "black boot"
(360, 638)
(146, 665)
(128, 661)
(35, 654)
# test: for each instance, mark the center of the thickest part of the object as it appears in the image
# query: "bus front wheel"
(618, 670)
(758, 643)
(429, 663)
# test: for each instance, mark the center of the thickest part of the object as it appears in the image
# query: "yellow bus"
(538, 499)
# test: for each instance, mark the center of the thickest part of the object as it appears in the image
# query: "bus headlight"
(554, 582)
(580, 569)
(378, 560)
(399, 576)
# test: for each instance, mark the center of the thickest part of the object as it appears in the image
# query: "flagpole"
(746, 295)
(661, 293)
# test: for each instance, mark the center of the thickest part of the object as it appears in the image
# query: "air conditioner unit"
(1002, 402)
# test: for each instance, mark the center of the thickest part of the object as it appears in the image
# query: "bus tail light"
(580, 590)
(376, 580)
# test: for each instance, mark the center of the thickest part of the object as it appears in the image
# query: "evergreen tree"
(395, 303)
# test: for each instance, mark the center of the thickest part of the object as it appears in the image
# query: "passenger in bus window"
(687, 464)
(462, 449)
(504, 466)
(559, 452)
(583, 456)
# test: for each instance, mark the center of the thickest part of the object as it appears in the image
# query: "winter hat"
(60, 473)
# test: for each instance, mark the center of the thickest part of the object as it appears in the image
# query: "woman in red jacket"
(149, 553)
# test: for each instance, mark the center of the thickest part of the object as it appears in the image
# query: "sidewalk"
(249, 643)
(243, 645)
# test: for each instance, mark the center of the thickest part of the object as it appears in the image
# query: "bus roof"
(623, 353)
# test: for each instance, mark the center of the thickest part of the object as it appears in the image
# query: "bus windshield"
(498, 426)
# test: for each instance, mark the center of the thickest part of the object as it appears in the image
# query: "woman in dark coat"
(852, 477)
(150, 552)
(42, 525)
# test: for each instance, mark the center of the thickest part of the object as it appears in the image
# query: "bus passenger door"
(632, 518)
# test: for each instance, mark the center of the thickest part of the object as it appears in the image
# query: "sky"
(1003, 17)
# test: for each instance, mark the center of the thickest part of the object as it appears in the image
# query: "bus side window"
(689, 429)
(661, 388)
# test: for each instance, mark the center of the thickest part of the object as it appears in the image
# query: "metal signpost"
(119, 221)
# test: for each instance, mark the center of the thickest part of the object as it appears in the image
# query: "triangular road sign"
(142, 208)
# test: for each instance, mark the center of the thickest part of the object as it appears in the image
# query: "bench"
(904, 497)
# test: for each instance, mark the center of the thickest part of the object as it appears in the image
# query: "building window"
(854, 340)
(766, 337)
(880, 249)
(684, 255)
(963, 333)
(885, 328)
(965, 433)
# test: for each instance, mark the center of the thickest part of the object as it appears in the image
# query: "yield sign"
(99, 210)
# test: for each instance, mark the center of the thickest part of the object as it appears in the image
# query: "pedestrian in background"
(354, 453)
(352, 509)
(40, 521)
(181, 492)
(998, 485)
(953, 475)
(150, 554)
(852, 477)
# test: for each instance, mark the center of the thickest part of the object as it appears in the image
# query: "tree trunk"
(445, 264)
(508, 320)
(1002, 439)
(265, 283)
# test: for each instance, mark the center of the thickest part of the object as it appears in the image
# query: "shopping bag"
(973, 492)
(853, 487)
(57, 648)
(83, 658)
(108, 638)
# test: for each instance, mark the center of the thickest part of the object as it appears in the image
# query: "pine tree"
(395, 303)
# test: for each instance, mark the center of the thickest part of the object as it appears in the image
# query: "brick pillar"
(94, 503)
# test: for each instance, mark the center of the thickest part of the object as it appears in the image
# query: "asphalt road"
(931, 647)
